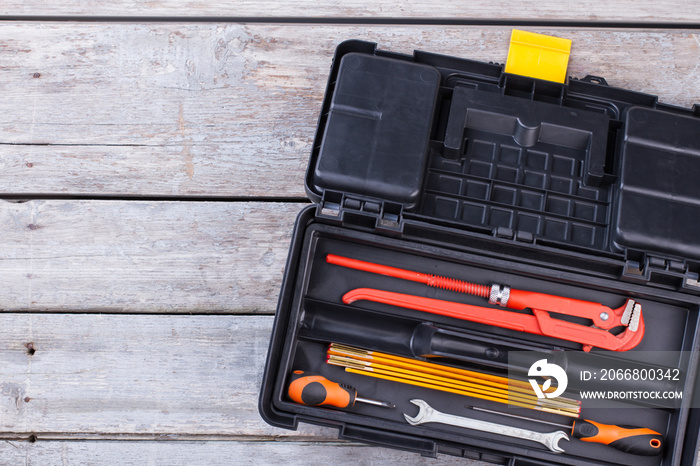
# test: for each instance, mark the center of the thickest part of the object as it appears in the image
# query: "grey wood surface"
(211, 453)
(108, 376)
(191, 379)
(150, 177)
(215, 109)
(143, 256)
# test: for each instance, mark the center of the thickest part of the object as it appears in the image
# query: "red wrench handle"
(497, 317)
(540, 323)
(596, 312)
(436, 281)
(378, 268)
(518, 299)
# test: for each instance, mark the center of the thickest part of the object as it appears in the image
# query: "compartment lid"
(659, 194)
(377, 130)
(456, 144)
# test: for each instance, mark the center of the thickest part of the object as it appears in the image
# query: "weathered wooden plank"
(642, 11)
(120, 256)
(109, 375)
(138, 377)
(223, 109)
(210, 453)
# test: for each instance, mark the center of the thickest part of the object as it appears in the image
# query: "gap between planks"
(97, 376)
(146, 257)
(212, 453)
(643, 11)
(366, 21)
(230, 110)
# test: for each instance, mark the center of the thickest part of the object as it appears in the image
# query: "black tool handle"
(432, 341)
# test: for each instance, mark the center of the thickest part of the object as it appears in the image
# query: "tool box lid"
(448, 144)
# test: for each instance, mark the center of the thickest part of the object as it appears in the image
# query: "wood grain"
(101, 291)
(641, 11)
(210, 453)
(116, 377)
(121, 256)
(220, 109)
(109, 375)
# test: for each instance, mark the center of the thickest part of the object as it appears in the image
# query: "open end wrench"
(427, 414)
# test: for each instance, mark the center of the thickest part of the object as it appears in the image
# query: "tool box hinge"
(329, 206)
(662, 271)
(503, 232)
(340, 208)
(390, 218)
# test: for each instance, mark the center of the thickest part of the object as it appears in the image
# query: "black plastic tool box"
(452, 167)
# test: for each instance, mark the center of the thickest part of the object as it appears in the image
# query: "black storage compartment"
(450, 167)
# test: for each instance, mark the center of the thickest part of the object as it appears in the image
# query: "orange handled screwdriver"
(634, 440)
(316, 390)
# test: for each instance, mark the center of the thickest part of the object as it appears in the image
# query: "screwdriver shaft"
(517, 416)
(384, 404)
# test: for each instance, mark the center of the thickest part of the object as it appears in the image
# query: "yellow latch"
(538, 56)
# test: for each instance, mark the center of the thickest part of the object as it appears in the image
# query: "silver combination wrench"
(427, 414)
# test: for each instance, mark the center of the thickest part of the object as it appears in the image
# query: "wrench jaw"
(425, 411)
(631, 338)
(631, 317)
(628, 315)
(553, 442)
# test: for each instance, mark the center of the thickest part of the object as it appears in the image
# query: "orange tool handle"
(316, 390)
(635, 440)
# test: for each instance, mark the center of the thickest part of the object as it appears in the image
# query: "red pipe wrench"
(539, 322)
(541, 304)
